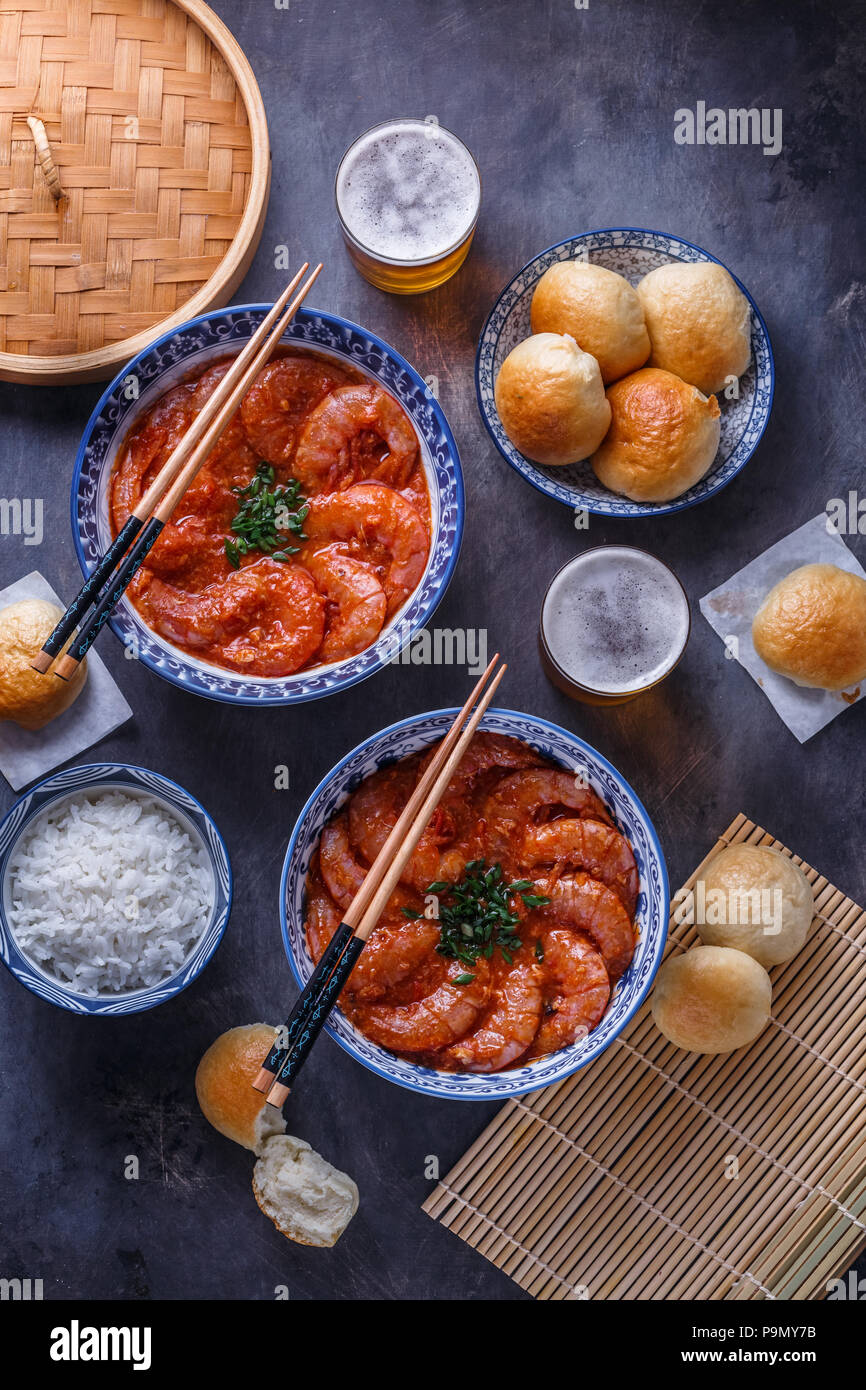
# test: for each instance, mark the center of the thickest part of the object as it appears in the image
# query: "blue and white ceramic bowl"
(632, 252)
(398, 741)
(189, 350)
(98, 777)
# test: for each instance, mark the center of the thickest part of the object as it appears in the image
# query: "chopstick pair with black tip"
(90, 590)
(161, 514)
(297, 1019)
(323, 995)
(160, 499)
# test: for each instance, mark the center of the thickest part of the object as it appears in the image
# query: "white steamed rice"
(109, 892)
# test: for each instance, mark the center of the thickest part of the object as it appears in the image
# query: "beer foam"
(615, 620)
(408, 191)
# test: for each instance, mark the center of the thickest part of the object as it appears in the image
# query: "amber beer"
(614, 622)
(408, 194)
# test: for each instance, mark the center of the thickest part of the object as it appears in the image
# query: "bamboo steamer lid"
(134, 177)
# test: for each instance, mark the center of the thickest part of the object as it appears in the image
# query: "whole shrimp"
(523, 797)
(586, 844)
(508, 1027)
(436, 1020)
(269, 617)
(356, 603)
(374, 524)
(147, 450)
(187, 549)
(576, 990)
(393, 951)
(341, 869)
(343, 872)
(585, 905)
(282, 394)
(231, 459)
(373, 812)
(356, 432)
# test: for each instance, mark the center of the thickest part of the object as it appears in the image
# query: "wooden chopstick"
(137, 553)
(89, 591)
(304, 1004)
(325, 995)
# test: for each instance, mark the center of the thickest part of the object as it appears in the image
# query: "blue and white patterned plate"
(398, 741)
(107, 777)
(632, 252)
(189, 350)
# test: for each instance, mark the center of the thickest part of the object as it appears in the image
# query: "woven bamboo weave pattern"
(659, 1174)
(152, 145)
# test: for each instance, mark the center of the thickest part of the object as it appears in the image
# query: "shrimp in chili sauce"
(320, 472)
(537, 984)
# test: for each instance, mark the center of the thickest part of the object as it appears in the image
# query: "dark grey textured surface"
(570, 114)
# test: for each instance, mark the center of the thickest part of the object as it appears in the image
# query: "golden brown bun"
(663, 437)
(811, 627)
(758, 901)
(711, 999)
(599, 309)
(699, 323)
(223, 1085)
(26, 697)
(308, 1200)
(550, 399)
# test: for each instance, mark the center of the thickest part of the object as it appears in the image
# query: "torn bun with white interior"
(308, 1200)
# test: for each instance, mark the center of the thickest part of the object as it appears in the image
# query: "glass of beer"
(408, 194)
(614, 622)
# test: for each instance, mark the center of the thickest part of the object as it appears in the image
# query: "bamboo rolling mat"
(660, 1174)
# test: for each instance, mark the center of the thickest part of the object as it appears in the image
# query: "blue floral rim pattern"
(632, 252)
(89, 777)
(191, 347)
(563, 747)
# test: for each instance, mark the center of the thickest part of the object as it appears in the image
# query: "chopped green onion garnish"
(477, 916)
(265, 513)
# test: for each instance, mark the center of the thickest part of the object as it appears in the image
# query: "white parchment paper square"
(730, 608)
(27, 754)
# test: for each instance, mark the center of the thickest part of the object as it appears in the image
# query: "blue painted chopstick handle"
(306, 1000)
(89, 591)
(326, 1000)
(136, 557)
